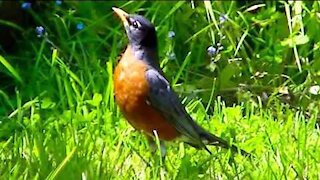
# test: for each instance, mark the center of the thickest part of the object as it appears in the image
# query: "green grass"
(59, 119)
(94, 143)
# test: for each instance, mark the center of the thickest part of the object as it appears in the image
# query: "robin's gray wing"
(164, 100)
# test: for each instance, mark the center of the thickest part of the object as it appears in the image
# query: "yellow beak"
(122, 14)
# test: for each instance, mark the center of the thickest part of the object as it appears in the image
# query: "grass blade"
(185, 62)
(14, 73)
(54, 173)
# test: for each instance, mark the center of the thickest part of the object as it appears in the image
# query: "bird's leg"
(163, 149)
(153, 146)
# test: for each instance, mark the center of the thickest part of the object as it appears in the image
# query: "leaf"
(278, 59)
(296, 40)
(96, 100)
(301, 39)
(47, 103)
(226, 75)
(255, 7)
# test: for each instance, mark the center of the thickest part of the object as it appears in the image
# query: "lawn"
(246, 71)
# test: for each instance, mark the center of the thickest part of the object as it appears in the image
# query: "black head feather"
(141, 32)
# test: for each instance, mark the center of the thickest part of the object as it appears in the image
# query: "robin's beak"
(122, 14)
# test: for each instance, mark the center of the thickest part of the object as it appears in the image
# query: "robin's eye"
(136, 24)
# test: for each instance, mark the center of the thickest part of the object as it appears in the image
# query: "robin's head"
(140, 31)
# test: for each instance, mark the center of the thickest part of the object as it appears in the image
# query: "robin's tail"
(216, 141)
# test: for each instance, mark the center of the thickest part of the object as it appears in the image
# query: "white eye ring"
(136, 24)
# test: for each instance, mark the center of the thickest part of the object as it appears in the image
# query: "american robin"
(145, 97)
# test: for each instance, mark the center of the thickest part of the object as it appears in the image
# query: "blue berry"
(80, 26)
(26, 5)
(58, 2)
(40, 30)
(171, 34)
(223, 18)
(211, 51)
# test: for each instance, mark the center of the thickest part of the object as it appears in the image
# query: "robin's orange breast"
(131, 92)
